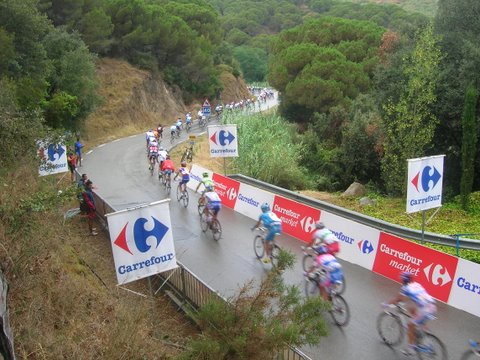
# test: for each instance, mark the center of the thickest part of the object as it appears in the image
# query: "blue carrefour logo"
(365, 246)
(428, 174)
(140, 235)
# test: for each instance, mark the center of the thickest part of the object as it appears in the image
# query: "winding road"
(119, 170)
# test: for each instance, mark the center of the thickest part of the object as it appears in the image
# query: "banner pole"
(423, 225)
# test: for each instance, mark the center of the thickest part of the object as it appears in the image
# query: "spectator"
(78, 151)
(90, 201)
(72, 165)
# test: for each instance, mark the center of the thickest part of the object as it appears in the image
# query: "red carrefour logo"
(298, 220)
(433, 269)
(227, 189)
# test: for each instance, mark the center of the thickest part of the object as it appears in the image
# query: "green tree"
(469, 145)
(253, 62)
(258, 322)
(96, 28)
(410, 123)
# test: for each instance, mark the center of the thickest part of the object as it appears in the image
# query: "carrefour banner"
(142, 241)
(424, 187)
(53, 158)
(465, 292)
(223, 140)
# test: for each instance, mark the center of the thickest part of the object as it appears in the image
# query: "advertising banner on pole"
(142, 241)
(223, 140)
(53, 158)
(424, 187)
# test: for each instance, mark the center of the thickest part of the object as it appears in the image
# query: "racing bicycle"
(187, 154)
(202, 121)
(259, 246)
(207, 221)
(339, 310)
(167, 181)
(309, 254)
(201, 204)
(152, 162)
(392, 324)
(182, 195)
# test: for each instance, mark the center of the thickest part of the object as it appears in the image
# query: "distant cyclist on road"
(162, 155)
(185, 175)
(420, 305)
(325, 236)
(149, 135)
(213, 205)
(274, 226)
(173, 130)
(168, 167)
(328, 269)
(152, 153)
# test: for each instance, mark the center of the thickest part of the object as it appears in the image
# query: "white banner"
(223, 140)
(142, 241)
(196, 177)
(53, 158)
(424, 187)
(465, 293)
(250, 199)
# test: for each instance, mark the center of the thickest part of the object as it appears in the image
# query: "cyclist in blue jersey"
(420, 305)
(213, 205)
(274, 226)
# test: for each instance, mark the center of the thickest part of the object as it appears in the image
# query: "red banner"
(298, 220)
(433, 269)
(227, 189)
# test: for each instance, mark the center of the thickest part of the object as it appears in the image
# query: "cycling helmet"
(161, 148)
(209, 188)
(205, 174)
(319, 225)
(406, 277)
(265, 207)
(183, 163)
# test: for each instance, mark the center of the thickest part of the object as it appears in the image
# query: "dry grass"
(63, 299)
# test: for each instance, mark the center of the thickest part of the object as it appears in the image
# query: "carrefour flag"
(142, 241)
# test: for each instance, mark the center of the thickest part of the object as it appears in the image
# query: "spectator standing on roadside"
(90, 201)
(72, 165)
(78, 151)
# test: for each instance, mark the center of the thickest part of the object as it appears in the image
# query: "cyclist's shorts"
(274, 230)
(184, 181)
(214, 206)
(167, 171)
(336, 276)
(424, 314)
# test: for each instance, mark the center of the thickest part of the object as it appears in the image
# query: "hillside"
(134, 100)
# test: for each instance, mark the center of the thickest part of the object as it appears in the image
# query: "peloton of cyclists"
(420, 305)
(184, 174)
(274, 226)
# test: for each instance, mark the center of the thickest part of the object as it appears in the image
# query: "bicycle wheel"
(151, 168)
(258, 246)
(307, 262)
(203, 222)
(168, 186)
(390, 328)
(184, 157)
(311, 288)
(179, 193)
(431, 347)
(275, 255)
(201, 207)
(172, 137)
(185, 198)
(216, 230)
(470, 355)
(340, 311)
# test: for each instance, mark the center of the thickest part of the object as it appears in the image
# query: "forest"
(367, 86)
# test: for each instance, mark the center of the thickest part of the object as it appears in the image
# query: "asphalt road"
(119, 170)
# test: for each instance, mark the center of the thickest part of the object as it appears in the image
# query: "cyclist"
(188, 120)
(162, 155)
(184, 173)
(179, 124)
(152, 153)
(160, 131)
(206, 181)
(324, 236)
(329, 269)
(148, 135)
(420, 305)
(173, 130)
(274, 226)
(167, 167)
(213, 206)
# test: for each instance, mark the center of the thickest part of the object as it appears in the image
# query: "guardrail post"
(457, 244)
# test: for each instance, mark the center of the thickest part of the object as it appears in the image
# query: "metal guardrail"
(407, 233)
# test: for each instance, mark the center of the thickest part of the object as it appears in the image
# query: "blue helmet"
(406, 277)
(265, 207)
